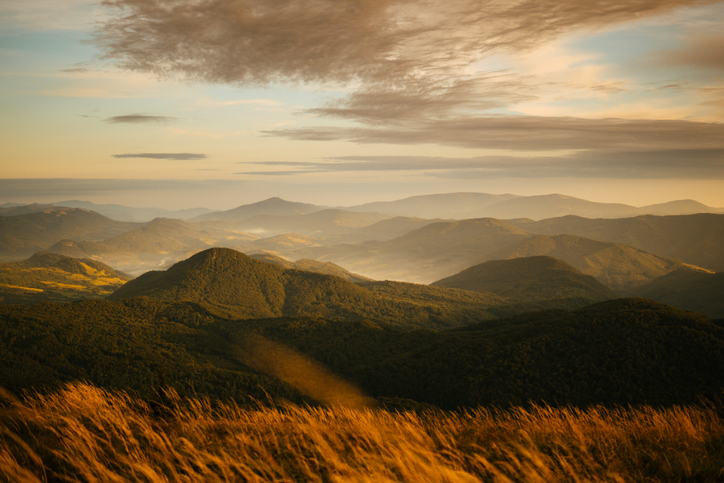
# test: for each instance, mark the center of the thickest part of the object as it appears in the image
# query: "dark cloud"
(76, 70)
(663, 164)
(172, 156)
(139, 119)
(703, 51)
(529, 133)
(254, 42)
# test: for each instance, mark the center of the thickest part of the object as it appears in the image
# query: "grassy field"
(86, 434)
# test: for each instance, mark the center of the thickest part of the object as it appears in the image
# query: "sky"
(218, 103)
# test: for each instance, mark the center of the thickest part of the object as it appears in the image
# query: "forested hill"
(528, 279)
(626, 351)
(234, 285)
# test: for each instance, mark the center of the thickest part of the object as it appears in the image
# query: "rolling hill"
(23, 235)
(49, 277)
(688, 289)
(439, 250)
(231, 284)
(529, 279)
(696, 239)
(616, 266)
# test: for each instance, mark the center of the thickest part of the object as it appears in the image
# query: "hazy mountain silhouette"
(271, 206)
(280, 243)
(688, 289)
(481, 205)
(423, 255)
(381, 231)
(23, 235)
(443, 249)
(162, 241)
(548, 206)
(128, 213)
(320, 223)
(48, 277)
(695, 239)
(529, 279)
(448, 205)
(678, 207)
(17, 209)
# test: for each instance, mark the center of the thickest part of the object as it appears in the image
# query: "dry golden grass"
(82, 433)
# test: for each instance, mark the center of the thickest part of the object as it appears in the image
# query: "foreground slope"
(47, 277)
(529, 279)
(625, 351)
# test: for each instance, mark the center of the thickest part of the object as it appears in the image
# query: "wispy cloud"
(139, 119)
(171, 156)
(704, 51)
(529, 133)
(663, 164)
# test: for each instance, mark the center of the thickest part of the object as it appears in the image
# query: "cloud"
(139, 119)
(172, 156)
(255, 42)
(702, 51)
(528, 133)
(413, 66)
(661, 164)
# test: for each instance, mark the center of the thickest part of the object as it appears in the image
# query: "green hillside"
(234, 285)
(137, 345)
(626, 351)
(529, 279)
(617, 266)
(47, 277)
(688, 289)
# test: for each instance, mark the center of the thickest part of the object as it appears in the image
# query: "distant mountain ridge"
(270, 206)
(482, 205)
(22, 235)
(697, 239)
